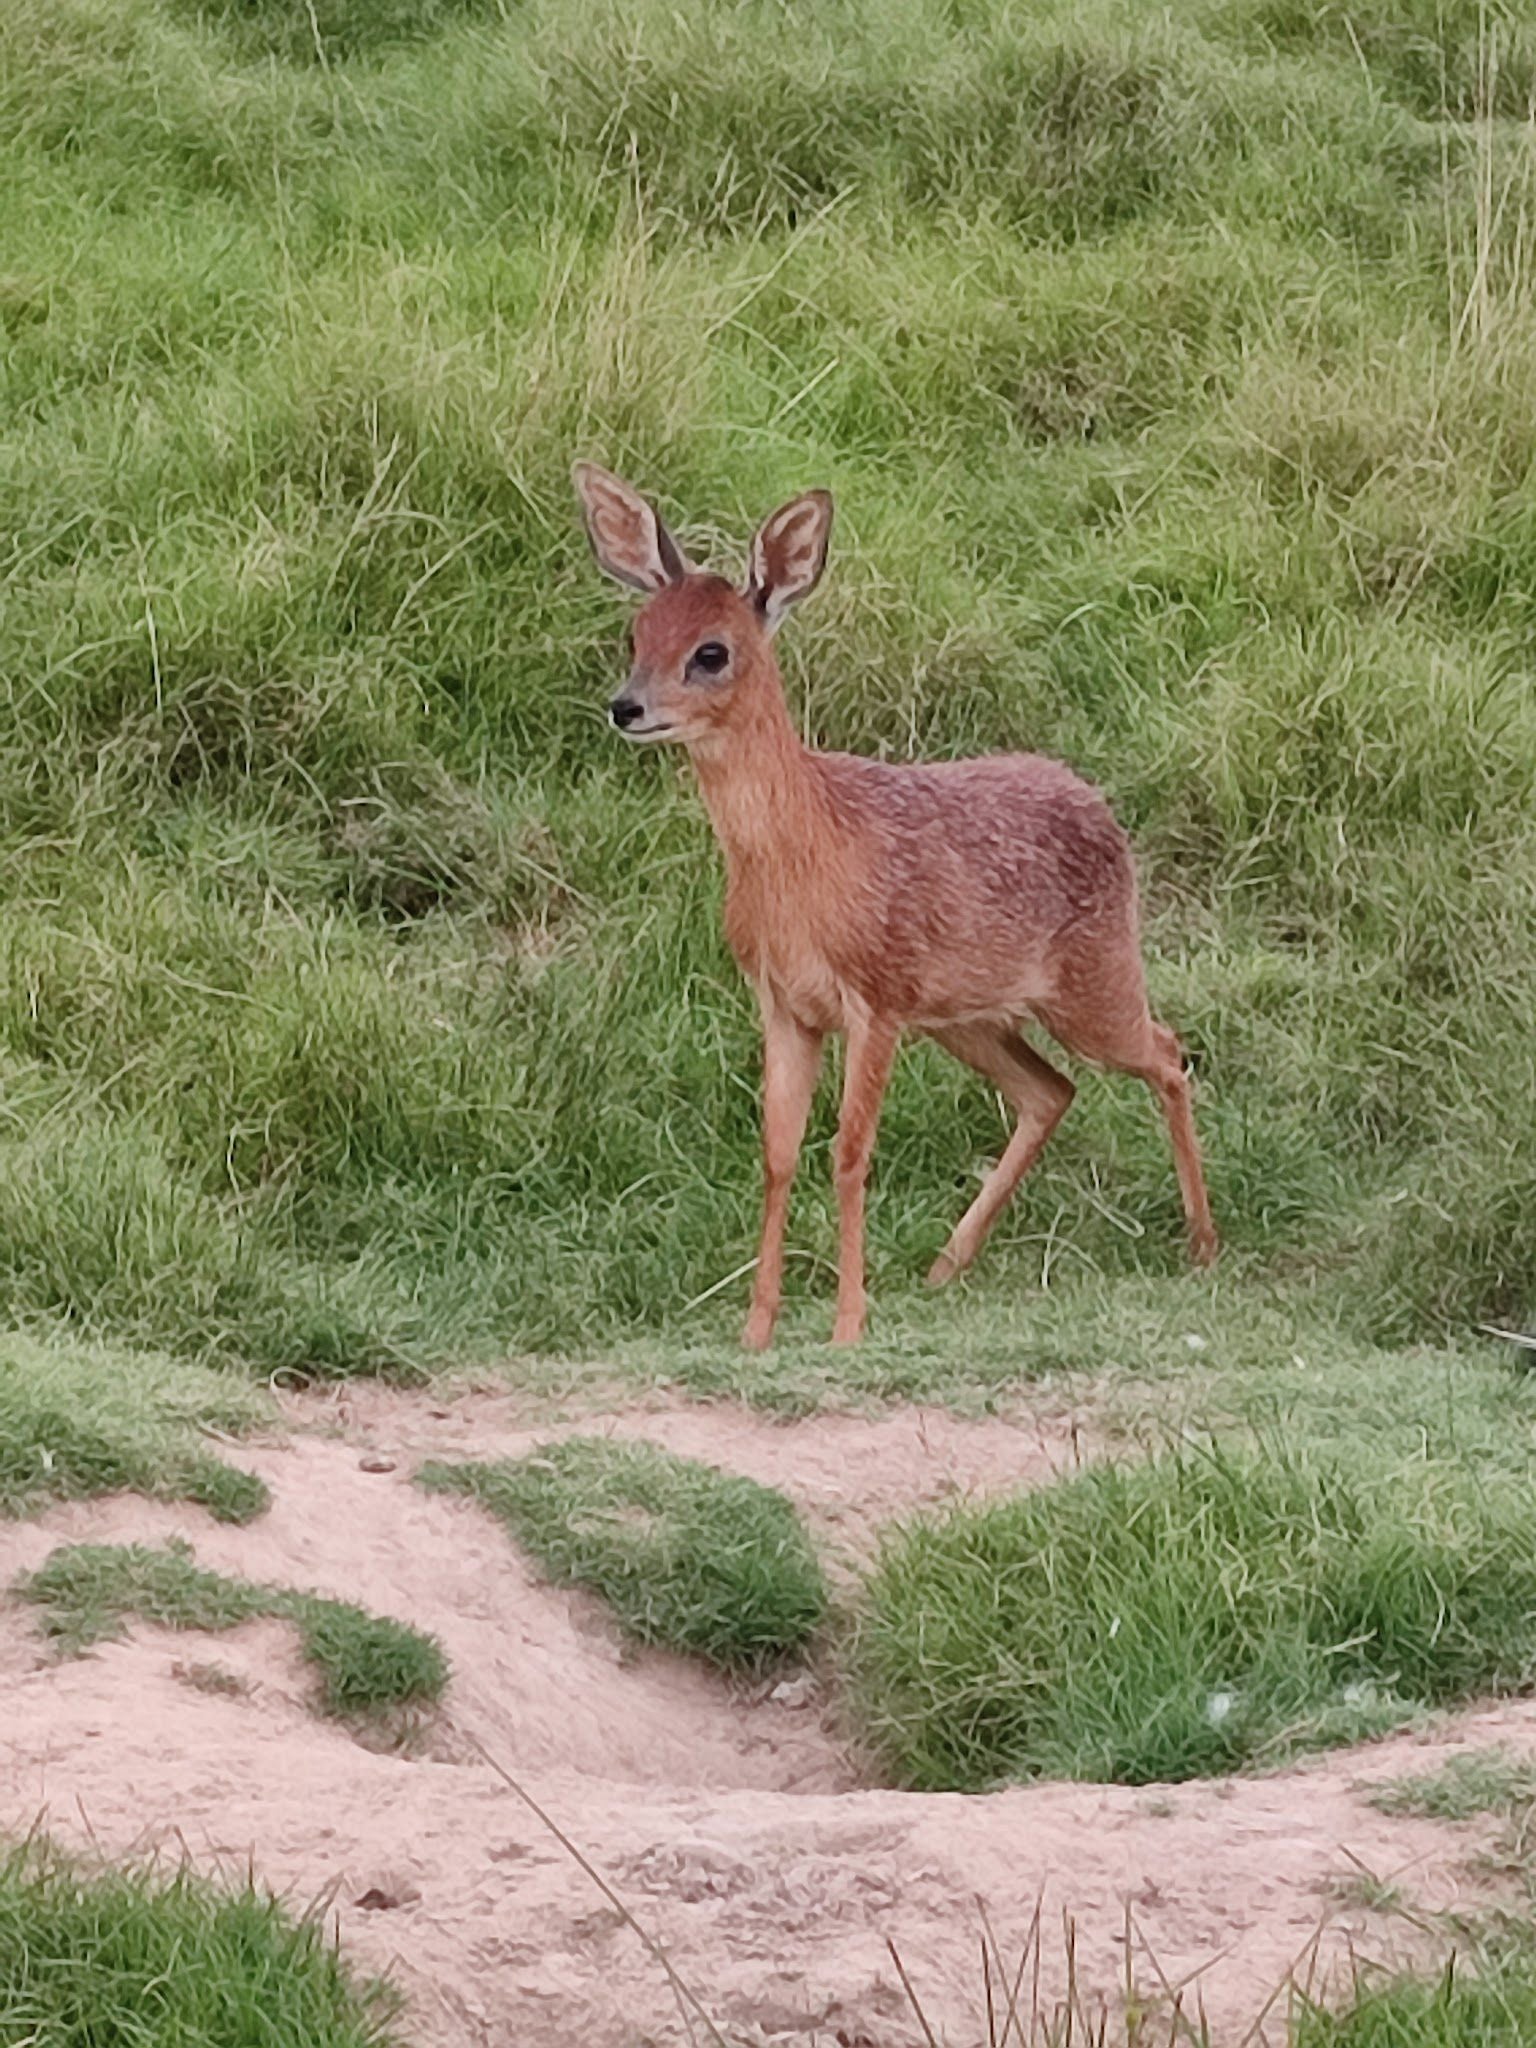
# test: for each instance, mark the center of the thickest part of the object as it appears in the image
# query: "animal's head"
(701, 645)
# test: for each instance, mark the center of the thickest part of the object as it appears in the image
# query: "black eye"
(711, 657)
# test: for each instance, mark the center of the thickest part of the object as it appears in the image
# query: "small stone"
(393, 1890)
(794, 1692)
(375, 1461)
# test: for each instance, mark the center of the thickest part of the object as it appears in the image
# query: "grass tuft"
(1482, 1781)
(133, 1958)
(1463, 2009)
(77, 1421)
(1191, 1616)
(687, 1557)
(365, 1663)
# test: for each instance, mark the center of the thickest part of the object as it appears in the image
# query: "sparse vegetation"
(687, 1557)
(138, 1958)
(1482, 1781)
(1485, 1782)
(365, 1663)
(1484, 1998)
(78, 1420)
(1190, 1616)
(1491, 2008)
(365, 1005)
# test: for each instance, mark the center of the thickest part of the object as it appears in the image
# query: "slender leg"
(1169, 1082)
(791, 1062)
(1040, 1097)
(871, 1050)
(1130, 1039)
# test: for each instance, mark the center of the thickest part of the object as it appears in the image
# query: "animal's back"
(983, 874)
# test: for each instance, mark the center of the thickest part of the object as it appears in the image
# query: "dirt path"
(731, 1823)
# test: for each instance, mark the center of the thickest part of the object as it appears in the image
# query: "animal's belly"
(999, 999)
(810, 988)
(925, 978)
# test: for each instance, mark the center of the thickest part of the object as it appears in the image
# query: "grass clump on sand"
(78, 1420)
(132, 1958)
(366, 1663)
(688, 1558)
(1480, 1781)
(1189, 1617)
(1493, 2008)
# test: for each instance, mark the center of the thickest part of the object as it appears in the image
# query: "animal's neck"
(760, 785)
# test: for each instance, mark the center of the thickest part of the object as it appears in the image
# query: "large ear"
(789, 552)
(627, 537)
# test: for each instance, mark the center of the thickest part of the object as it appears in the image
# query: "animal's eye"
(711, 657)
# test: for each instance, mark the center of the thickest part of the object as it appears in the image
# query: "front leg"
(871, 1050)
(791, 1062)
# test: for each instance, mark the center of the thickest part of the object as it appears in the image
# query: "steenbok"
(957, 898)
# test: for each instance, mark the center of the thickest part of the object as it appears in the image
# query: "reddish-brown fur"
(866, 898)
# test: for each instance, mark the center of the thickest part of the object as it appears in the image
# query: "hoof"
(943, 1270)
(758, 1334)
(1203, 1249)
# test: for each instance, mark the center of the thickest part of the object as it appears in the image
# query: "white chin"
(649, 732)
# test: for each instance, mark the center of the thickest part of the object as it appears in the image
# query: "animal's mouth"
(646, 732)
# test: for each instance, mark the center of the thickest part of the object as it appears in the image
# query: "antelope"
(956, 899)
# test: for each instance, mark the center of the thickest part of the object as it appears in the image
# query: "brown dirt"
(730, 1822)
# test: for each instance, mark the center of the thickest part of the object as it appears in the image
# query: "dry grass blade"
(689, 2003)
(912, 1998)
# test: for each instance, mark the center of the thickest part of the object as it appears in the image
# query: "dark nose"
(624, 711)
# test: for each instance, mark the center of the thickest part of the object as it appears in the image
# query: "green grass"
(136, 1958)
(1493, 2009)
(365, 1663)
(1191, 1616)
(1225, 1350)
(364, 1002)
(78, 1420)
(687, 1557)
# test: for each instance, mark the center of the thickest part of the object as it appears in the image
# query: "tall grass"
(1189, 1616)
(362, 1004)
(137, 1958)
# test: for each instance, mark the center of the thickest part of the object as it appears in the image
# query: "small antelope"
(956, 898)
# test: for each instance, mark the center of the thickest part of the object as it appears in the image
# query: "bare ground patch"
(847, 1473)
(732, 1823)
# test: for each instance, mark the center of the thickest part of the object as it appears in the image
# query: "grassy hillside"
(362, 999)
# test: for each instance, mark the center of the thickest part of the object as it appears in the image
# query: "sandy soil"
(730, 1821)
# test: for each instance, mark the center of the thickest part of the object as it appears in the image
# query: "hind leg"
(1170, 1083)
(1122, 1033)
(1039, 1096)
